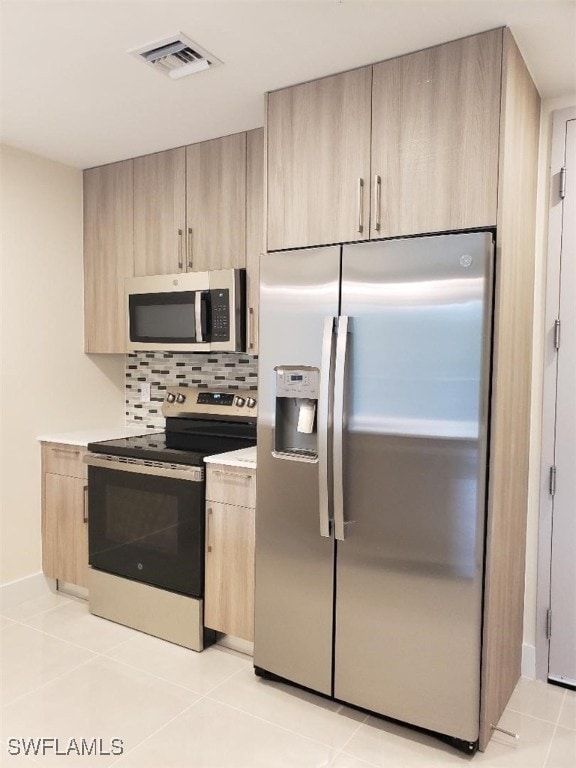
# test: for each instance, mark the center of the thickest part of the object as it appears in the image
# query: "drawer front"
(59, 459)
(231, 485)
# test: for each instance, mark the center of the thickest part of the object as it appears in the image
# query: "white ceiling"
(71, 92)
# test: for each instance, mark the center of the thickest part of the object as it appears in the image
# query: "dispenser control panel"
(297, 382)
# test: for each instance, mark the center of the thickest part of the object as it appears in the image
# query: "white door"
(562, 625)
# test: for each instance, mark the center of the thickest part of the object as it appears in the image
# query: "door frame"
(550, 368)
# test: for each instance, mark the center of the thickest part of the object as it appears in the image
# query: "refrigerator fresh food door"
(299, 293)
(415, 410)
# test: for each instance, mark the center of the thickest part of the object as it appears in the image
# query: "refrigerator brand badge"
(466, 260)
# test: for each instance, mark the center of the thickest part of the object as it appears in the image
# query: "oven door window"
(164, 317)
(147, 528)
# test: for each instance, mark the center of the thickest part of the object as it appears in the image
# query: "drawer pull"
(67, 451)
(85, 503)
(208, 545)
(232, 474)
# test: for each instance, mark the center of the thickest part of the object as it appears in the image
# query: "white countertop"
(85, 436)
(245, 457)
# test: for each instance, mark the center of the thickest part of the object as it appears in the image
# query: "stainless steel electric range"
(146, 513)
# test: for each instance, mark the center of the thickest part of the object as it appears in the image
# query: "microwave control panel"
(220, 314)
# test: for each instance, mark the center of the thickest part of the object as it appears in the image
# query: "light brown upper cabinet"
(190, 207)
(408, 146)
(160, 213)
(318, 161)
(435, 129)
(216, 203)
(254, 231)
(108, 254)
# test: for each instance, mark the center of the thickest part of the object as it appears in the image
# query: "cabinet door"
(216, 203)
(435, 126)
(254, 230)
(108, 254)
(229, 585)
(65, 529)
(318, 158)
(160, 212)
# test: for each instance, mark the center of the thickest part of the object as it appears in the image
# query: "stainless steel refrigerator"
(374, 383)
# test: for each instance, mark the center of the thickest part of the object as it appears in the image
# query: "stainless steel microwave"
(188, 312)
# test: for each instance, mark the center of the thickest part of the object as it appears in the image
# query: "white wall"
(47, 383)
(548, 106)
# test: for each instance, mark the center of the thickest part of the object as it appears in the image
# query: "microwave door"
(168, 317)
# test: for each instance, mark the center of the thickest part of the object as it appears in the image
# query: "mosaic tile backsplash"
(224, 370)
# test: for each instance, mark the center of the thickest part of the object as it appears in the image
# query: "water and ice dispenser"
(297, 390)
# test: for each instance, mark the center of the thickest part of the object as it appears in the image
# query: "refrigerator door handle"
(339, 385)
(323, 425)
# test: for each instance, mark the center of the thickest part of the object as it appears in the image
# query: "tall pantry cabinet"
(439, 140)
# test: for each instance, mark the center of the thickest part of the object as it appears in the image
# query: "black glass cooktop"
(151, 447)
(189, 441)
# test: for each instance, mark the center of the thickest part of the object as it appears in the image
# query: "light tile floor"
(66, 674)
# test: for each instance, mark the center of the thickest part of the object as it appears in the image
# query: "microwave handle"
(198, 315)
(201, 309)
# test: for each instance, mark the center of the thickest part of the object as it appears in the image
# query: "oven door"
(169, 312)
(147, 527)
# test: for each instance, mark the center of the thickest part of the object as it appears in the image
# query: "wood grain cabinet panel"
(229, 578)
(254, 231)
(64, 513)
(216, 203)
(108, 254)
(231, 485)
(318, 154)
(160, 212)
(435, 132)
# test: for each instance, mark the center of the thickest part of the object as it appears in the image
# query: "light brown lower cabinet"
(229, 574)
(64, 514)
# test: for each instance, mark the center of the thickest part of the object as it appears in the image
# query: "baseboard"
(235, 644)
(528, 661)
(28, 588)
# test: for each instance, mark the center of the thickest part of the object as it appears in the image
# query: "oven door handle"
(145, 467)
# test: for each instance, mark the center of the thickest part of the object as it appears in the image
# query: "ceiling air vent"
(176, 56)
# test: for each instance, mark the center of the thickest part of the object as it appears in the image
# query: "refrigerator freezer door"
(410, 570)
(299, 293)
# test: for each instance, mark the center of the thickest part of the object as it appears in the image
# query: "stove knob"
(180, 398)
(250, 402)
(239, 401)
(170, 398)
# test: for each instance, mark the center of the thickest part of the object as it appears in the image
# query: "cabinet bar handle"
(180, 262)
(250, 327)
(208, 545)
(377, 200)
(85, 503)
(232, 474)
(69, 451)
(360, 205)
(189, 248)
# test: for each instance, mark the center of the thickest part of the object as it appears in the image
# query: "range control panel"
(190, 401)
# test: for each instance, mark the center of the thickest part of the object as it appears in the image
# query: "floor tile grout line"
(62, 639)
(341, 751)
(550, 747)
(52, 680)
(158, 730)
(534, 717)
(151, 674)
(270, 722)
(65, 601)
